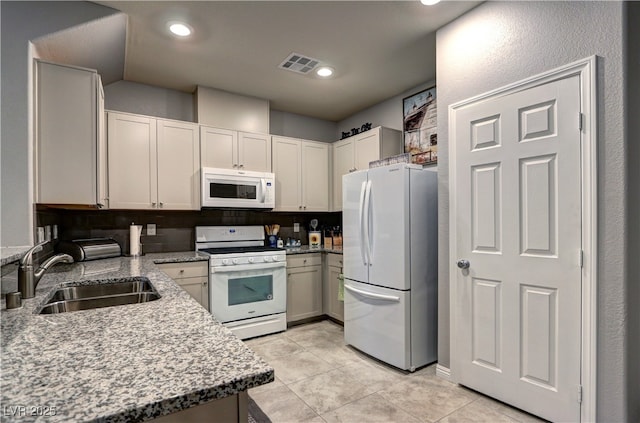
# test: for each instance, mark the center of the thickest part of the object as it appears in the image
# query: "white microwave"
(244, 189)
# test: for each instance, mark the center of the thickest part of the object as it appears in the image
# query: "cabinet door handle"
(181, 270)
(161, 204)
(299, 207)
(241, 166)
(153, 205)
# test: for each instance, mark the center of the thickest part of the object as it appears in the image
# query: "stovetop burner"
(237, 250)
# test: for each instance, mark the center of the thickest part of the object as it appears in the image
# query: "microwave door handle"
(263, 190)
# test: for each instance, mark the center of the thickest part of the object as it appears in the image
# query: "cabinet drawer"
(334, 260)
(198, 280)
(304, 260)
(185, 270)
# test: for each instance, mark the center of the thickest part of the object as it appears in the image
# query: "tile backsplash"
(175, 230)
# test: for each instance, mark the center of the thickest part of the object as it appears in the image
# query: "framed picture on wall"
(419, 112)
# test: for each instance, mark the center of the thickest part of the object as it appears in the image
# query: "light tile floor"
(319, 379)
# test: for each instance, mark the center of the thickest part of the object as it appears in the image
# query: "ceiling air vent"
(299, 63)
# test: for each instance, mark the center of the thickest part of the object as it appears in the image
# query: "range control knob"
(267, 259)
(250, 259)
(275, 258)
(225, 262)
(235, 261)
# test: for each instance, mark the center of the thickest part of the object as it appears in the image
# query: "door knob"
(463, 264)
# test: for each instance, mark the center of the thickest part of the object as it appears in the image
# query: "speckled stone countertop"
(116, 364)
(11, 254)
(306, 250)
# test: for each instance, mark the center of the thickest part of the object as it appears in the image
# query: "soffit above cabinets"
(98, 44)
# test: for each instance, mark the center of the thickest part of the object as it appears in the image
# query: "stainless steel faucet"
(28, 278)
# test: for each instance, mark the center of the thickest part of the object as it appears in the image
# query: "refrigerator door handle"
(361, 221)
(367, 212)
(371, 294)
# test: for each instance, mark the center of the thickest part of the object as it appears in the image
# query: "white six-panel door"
(517, 196)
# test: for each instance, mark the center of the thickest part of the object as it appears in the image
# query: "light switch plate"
(296, 227)
(151, 229)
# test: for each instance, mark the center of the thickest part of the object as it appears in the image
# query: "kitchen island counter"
(123, 363)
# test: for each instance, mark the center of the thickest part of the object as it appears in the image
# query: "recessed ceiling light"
(324, 71)
(180, 29)
(429, 2)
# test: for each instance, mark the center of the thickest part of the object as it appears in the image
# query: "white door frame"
(585, 69)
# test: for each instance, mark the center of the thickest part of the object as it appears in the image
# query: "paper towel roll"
(134, 239)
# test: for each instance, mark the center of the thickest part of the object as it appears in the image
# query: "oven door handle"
(244, 267)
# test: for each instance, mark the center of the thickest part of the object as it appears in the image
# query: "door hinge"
(579, 394)
(581, 259)
(580, 121)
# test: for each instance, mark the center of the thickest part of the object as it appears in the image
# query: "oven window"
(235, 191)
(250, 289)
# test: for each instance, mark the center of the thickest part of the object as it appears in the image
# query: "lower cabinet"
(333, 307)
(193, 277)
(304, 286)
(233, 408)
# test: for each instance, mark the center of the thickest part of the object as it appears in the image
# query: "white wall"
(299, 126)
(498, 43)
(21, 22)
(132, 97)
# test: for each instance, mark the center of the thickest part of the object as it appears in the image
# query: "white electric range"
(247, 280)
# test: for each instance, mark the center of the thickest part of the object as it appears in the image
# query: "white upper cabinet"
(227, 149)
(153, 163)
(219, 147)
(355, 153)
(69, 136)
(254, 152)
(302, 174)
(287, 167)
(315, 176)
(178, 165)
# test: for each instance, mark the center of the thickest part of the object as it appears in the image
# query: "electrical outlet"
(296, 227)
(151, 229)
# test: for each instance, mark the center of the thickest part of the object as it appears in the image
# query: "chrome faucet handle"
(27, 258)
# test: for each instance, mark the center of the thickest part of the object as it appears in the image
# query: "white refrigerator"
(390, 230)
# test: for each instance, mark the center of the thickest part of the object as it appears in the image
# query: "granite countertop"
(126, 363)
(305, 249)
(11, 254)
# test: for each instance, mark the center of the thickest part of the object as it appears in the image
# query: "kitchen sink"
(100, 294)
